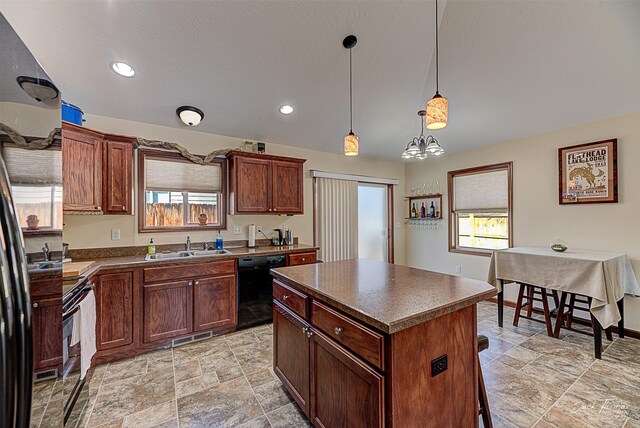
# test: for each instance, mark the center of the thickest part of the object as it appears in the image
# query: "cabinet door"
(114, 310)
(291, 353)
(81, 170)
(253, 185)
(117, 176)
(345, 392)
(214, 302)
(287, 187)
(46, 316)
(167, 310)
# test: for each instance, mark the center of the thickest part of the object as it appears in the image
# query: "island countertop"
(386, 296)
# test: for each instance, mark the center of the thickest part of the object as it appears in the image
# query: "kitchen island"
(362, 343)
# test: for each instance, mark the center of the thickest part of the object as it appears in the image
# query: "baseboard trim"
(614, 329)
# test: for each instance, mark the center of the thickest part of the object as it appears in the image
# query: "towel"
(75, 329)
(87, 332)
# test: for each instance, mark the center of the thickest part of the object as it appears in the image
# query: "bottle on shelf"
(432, 210)
(414, 211)
(423, 211)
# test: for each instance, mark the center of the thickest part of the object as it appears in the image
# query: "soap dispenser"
(219, 242)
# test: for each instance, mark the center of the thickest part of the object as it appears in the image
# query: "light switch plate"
(115, 234)
(237, 230)
(458, 269)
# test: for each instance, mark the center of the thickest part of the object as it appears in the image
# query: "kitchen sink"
(182, 254)
(44, 265)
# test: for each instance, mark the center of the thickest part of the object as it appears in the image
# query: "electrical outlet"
(237, 230)
(115, 234)
(458, 269)
(258, 229)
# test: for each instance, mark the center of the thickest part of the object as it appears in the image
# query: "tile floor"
(532, 381)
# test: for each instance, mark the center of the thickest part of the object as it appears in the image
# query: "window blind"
(167, 175)
(482, 191)
(33, 167)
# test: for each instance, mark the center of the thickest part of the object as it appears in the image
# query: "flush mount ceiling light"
(438, 106)
(191, 116)
(286, 109)
(38, 89)
(123, 69)
(421, 147)
(351, 139)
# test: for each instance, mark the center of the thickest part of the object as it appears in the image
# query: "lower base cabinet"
(167, 310)
(214, 302)
(46, 317)
(333, 387)
(114, 310)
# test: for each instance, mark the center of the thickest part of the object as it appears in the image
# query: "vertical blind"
(481, 191)
(178, 176)
(337, 219)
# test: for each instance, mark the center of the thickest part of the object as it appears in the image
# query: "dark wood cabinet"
(344, 391)
(265, 184)
(291, 353)
(46, 317)
(81, 169)
(167, 310)
(97, 171)
(286, 187)
(301, 258)
(117, 163)
(114, 310)
(214, 302)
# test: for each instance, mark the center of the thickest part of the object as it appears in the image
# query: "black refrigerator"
(16, 349)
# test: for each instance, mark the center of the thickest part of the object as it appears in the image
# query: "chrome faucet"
(188, 243)
(205, 246)
(46, 253)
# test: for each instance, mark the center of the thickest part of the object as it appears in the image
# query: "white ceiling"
(509, 68)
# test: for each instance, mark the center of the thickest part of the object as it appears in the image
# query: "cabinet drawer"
(368, 344)
(189, 270)
(301, 258)
(291, 298)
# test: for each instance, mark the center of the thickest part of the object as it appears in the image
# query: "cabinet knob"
(304, 259)
(270, 209)
(98, 207)
(337, 330)
(285, 297)
(35, 305)
(190, 283)
(197, 282)
(275, 209)
(305, 329)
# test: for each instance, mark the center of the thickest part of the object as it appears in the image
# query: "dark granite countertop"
(386, 296)
(138, 261)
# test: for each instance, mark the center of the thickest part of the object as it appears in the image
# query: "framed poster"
(589, 173)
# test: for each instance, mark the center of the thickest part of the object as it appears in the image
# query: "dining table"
(604, 276)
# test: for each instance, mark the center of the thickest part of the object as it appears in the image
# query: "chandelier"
(422, 147)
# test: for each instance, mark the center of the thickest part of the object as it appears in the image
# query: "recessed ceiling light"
(123, 69)
(286, 109)
(191, 116)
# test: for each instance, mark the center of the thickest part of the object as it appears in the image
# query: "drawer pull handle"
(337, 330)
(285, 297)
(304, 260)
(35, 305)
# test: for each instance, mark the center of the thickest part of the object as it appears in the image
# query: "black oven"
(75, 388)
(255, 289)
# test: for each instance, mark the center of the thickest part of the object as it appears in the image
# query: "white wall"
(95, 231)
(538, 219)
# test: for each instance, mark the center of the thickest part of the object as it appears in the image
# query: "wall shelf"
(435, 198)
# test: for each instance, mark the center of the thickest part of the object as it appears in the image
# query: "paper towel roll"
(252, 236)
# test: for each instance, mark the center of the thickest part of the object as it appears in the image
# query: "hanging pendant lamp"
(351, 139)
(438, 106)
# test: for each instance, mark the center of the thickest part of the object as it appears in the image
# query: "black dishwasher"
(255, 289)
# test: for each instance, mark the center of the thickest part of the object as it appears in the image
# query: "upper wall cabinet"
(97, 171)
(265, 184)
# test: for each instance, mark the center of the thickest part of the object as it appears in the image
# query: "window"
(480, 209)
(175, 193)
(36, 187)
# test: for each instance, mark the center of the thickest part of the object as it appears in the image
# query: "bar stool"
(565, 318)
(529, 292)
(483, 410)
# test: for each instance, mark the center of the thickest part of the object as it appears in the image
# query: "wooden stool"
(530, 292)
(483, 343)
(565, 320)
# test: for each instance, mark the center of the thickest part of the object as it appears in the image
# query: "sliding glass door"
(373, 221)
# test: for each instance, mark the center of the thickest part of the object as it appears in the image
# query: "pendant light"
(351, 139)
(438, 106)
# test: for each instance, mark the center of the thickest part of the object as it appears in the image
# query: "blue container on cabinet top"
(71, 113)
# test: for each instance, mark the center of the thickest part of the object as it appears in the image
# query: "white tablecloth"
(604, 276)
